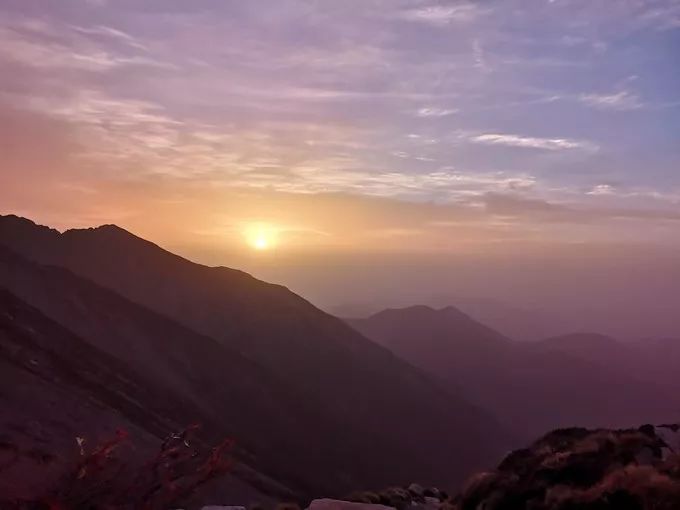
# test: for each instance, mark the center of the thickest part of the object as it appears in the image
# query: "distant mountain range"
(581, 379)
(514, 321)
(102, 329)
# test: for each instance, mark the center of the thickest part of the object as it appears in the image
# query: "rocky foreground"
(568, 469)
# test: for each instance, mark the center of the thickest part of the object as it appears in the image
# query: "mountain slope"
(588, 346)
(654, 359)
(200, 380)
(445, 342)
(56, 387)
(360, 397)
(529, 386)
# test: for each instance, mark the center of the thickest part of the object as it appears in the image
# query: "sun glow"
(261, 243)
(261, 237)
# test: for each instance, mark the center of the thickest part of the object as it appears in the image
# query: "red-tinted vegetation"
(101, 479)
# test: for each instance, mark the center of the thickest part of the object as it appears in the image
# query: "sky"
(362, 143)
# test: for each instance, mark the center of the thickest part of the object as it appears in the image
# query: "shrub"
(100, 480)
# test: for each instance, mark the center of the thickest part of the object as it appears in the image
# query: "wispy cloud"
(527, 142)
(30, 51)
(479, 56)
(442, 15)
(112, 33)
(601, 189)
(429, 111)
(621, 101)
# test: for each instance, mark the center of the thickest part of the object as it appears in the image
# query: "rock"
(368, 497)
(433, 492)
(398, 492)
(395, 497)
(670, 435)
(335, 504)
(429, 503)
(416, 490)
(220, 507)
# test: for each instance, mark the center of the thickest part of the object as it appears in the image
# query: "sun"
(260, 237)
(261, 243)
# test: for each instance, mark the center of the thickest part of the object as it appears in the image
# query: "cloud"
(112, 33)
(620, 101)
(96, 108)
(440, 15)
(539, 210)
(662, 16)
(602, 189)
(51, 45)
(550, 144)
(435, 112)
(479, 56)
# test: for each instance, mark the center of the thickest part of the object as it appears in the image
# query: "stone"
(221, 507)
(670, 435)
(336, 504)
(416, 490)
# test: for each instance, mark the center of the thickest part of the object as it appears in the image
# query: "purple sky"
(347, 128)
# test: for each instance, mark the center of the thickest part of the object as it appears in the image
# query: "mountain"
(60, 387)
(517, 322)
(531, 387)
(653, 359)
(587, 346)
(286, 379)
(658, 359)
(199, 378)
(445, 342)
(57, 387)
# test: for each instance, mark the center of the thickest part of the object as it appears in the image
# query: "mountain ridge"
(357, 385)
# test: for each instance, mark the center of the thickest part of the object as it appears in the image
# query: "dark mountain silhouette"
(533, 387)
(258, 361)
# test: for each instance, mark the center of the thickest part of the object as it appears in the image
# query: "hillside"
(202, 380)
(62, 387)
